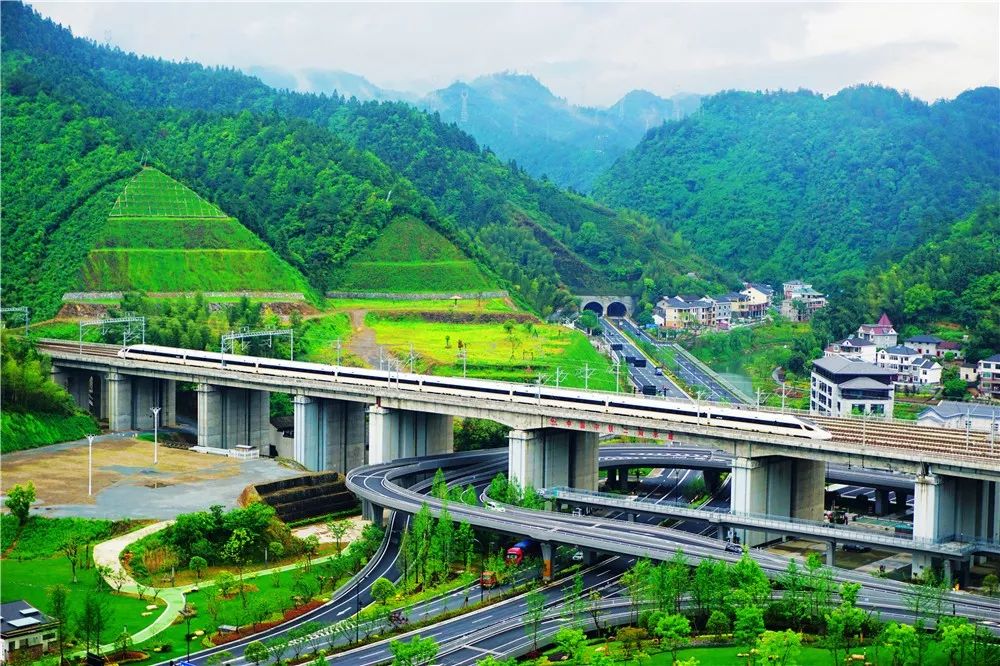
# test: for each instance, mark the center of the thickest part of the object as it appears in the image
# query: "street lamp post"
(156, 422)
(187, 616)
(357, 616)
(90, 465)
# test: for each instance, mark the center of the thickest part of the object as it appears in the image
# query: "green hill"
(795, 184)
(409, 256)
(161, 236)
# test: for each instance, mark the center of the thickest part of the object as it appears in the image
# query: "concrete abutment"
(548, 457)
(776, 486)
(329, 434)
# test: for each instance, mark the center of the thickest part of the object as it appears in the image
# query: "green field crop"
(423, 305)
(189, 270)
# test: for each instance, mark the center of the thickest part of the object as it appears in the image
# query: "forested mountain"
(317, 178)
(954, 277)
(792, 184)
(519, 118)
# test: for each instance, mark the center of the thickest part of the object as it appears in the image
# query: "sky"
(590, 53)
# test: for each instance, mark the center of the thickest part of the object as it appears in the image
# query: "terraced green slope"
(160, 236)
(409, 256)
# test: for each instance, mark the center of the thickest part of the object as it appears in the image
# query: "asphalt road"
(640, 376)
(689, 372)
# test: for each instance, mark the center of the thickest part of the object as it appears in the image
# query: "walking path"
(107, 554)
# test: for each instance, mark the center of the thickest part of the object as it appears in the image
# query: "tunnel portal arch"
(595, 307)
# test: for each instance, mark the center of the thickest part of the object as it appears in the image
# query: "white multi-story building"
(926, 345)
(988, 371)
(909, 365)
(840, 386)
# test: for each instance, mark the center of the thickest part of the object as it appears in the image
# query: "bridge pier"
(546, 561)
(399, 433)
(87, 388)
(776, 486)
(371, 511)
(229, 417)
(329, 434)
(547, 457)
(948, 507)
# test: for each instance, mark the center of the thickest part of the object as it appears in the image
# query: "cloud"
(590, 53)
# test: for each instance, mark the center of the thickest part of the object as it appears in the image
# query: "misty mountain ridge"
(518, 118)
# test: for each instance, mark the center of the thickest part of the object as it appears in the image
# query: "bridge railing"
(764, 522)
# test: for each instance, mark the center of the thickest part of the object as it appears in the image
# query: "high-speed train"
(604, 403)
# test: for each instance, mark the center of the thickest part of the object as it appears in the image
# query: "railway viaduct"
(342, 424)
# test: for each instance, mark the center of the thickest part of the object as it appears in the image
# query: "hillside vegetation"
(409, 256)
(317, 178)
(953, 278)
(792, 184)
(161, 236)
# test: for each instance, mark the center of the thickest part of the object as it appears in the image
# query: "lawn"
(422, 305)
(494, 354)
(19, 432)
(320, 336)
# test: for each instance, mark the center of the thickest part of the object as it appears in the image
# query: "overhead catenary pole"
(585, 373)
(128, 334)
(228, 340)
(23, 311)
(560, 375)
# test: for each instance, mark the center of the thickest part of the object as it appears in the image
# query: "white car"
(578, 556)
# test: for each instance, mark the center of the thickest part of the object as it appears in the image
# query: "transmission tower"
(464, 115)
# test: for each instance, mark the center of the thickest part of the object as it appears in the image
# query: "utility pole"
(156, 421)
(538, 386)
(560, 375)
(24, 312)
(463, 356)
(586, 373)
(618, 379)
(228, 341)
(338, 351)
(412, 358)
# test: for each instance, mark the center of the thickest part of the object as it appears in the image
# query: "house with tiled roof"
(881, 333)
(926, 345)
(949, 347)
(909, 365)
(962, 415)
(25, 630)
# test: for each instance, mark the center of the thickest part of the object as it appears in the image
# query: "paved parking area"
(126, 483)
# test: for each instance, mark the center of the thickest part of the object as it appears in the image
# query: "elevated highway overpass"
(345, 417)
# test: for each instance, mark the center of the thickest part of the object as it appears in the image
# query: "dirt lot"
(127, 484)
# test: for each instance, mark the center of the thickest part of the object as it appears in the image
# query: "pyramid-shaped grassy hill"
(411, 257)
(160, 236)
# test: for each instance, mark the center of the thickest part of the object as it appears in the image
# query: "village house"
(968, 372)
(801, 301)
(989, 377)
(852, 347)
(881, 333)
(758, 300)
(926, 345)
(909, 365)
(959, 415)
(24, 630)
(840, 386)
(685, 311)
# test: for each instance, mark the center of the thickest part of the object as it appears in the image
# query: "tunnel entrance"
(617, 309)
(595, 307)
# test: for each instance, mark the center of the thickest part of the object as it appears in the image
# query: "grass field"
(178, 233)
(423, 305)
(320, 336)
(114, 269)
(151, 192)
(495, 354)
(411, 257)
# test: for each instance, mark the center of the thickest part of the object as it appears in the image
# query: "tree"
(58, 609)
(276, 550)
(465, 543)
(956, 636)
(235, 551)
(19, 500)
(575, 602)
(535, 602)
(122, 643)
(277, 646)
(413, 653)
(219, 658)
(226, 582)
(748, 627)
(572, 642)
(902, 640)
(674, 631)
(259, 610)
(338, 528)
(439, 485)
(92, 619)
(780, 647)
(197, 564)
(382, 590)
(636, 581)
(71, 549)
(631, 640)
(709, 586)
(589, 321)
(255, 652)
(594, 605)
(843, 623)
(310, 546)
(717, 624)
(991, 583)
